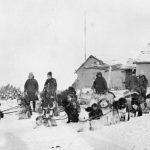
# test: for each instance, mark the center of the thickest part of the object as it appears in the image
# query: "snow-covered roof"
(128, 67)
(103, 67)
(144, 56)
(99, 62)
(114, 67)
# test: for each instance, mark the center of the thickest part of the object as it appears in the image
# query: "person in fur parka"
(100, 84)
(31, 88)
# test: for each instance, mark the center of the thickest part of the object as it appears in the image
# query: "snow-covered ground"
(132, 135)
(19, 134)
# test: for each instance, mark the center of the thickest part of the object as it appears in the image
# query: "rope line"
(10, 108)
(10, 112)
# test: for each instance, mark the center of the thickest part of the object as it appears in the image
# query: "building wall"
(86, 77)
(145, 68)
(117, 79)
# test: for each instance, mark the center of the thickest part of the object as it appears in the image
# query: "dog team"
(132, 104)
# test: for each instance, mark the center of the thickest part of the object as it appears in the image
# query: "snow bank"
(20, 135)
(131, 135)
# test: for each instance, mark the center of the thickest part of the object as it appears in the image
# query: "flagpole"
(85, 33)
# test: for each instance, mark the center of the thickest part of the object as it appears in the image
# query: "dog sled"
(89, 98)
(111, 113)
(143, 102)
(9, 111)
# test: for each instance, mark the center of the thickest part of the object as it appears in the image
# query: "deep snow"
(19, 134)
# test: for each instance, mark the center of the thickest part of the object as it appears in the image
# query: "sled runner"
(8, 111)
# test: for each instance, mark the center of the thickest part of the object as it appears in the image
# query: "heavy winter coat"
(46, 101)
(142, 81)
(132, 83)
(100, 85)
(31, 87)
(50, 86)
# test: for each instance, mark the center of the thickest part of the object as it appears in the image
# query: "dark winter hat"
(71, 89)
(49, 73)
(99, 73)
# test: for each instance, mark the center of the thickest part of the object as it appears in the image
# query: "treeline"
(9, 92)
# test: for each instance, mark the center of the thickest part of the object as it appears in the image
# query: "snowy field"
(20, 134)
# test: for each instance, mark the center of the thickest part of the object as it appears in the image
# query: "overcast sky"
(48, 35)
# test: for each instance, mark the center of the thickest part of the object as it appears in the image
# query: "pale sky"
(48, 35)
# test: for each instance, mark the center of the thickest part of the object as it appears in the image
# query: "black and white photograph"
(74, 75)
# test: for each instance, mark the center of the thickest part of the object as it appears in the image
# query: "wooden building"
(115, 75)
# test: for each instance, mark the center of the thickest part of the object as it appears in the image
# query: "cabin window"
(97, 63)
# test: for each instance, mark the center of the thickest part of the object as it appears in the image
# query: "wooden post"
(109, 76)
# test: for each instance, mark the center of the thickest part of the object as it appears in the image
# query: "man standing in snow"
(133, 82)
(100, 84)
(50, 88)
(31, 89)
(51, 85)
(142, 84)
